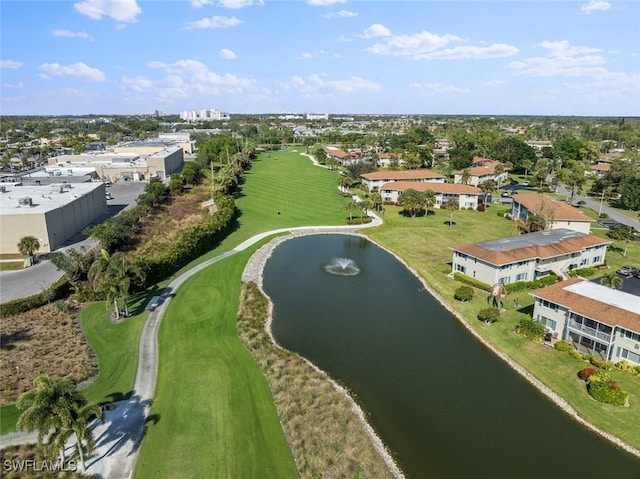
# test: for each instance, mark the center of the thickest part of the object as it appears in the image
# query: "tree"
(28, 245)
(499, 169)
(192, 172)
(527, 165)
(573, 176)
(344, 183)
(465, 177)
(365, 205)
(155, 193)
(630, 193)
(411, 201)
(451, 205)
(112, 275)
(487, 187)
(74, 264)
(376, 199)
(428, 200)
(611, 280)
(351, 207)
(57, 410)
(176, 182)
(412, 160)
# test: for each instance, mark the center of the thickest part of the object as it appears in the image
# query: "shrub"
(564, 346)
(598, 362)
(489, 315)
(628, 368)
(531, 329)
(586, 373)
(575, 354)
(538, 283)
(464, 293)
(603, 216)
(58, 290)
(481, 208)
(502, 212)
(584, 272)
(603, 389)
(463, 278)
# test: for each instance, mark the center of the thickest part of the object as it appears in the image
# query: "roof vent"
(26, 201)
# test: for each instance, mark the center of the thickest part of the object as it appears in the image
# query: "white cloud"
(493, 83)
(376, 30)
(198, 72)
(13, 86)
(119, 10)
(498, 50)
(438, 88)
(340, 14)
(308, 55)
(595, 6)
(10, 64)
(316, 85)
(227, 54)
(234, 4)
(61, 32)
(324, 3)
(413, 45)
(562, 59)
(80, 70)
(200, 3)
(138, 84)
(214, 22)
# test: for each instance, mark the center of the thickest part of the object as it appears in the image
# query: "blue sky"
(335, 56)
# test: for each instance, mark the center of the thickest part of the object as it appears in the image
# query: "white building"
(481, 170)
(317, 116)
(557, 214)
(529, 256)
(373, 181)
(603, 320)
(203, 115)
(466, 196)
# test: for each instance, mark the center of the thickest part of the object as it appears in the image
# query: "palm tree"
(411, 201)
(499, 169)
(451, 205)
(376, 198)
(57, 410)
(428, 199)
(365, 205)
(344, 182)
(527, 165)
(487, 187)
(465, 177)
(611, 280)
(351, 207)
(28, 245)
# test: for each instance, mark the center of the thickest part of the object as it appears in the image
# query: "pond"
(444, 405)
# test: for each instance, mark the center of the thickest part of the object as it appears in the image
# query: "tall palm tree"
(487, 187)
(365, 205)
(56, 409)
(451, 205)
(499, 169)
(376, 198)
(411, 201)
(428, 199)
(351, 207)
(611, 280)
(527, 165)
(465, 177)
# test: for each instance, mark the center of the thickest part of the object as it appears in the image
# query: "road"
(27, 282)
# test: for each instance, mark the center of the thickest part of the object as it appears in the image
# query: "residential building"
(602, 320)
(529, 256)
(204, 115)
(600, 169)
(338, 154)
(466, 196)
(52, 213)
(557, 214)
(481, 170)
(373, 181)
(385, 160)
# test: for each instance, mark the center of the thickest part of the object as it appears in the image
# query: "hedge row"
(191, 243)
(463, 278)
(58, 290)
(525, 285)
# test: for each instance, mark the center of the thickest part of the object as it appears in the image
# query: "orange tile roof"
(523, 251)
(335, 151)
(536, 203)
(486, 167)
(587, 306)
(455, 188)
(401, 175)
(601, 167)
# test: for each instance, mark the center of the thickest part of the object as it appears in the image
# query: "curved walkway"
(119, 435)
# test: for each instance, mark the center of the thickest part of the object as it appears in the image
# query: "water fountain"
(342, 267)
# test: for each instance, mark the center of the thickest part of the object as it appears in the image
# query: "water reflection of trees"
(356, 242)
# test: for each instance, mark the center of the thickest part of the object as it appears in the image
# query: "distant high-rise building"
(204, 114)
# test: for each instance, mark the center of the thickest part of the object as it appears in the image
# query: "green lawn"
(425, 244)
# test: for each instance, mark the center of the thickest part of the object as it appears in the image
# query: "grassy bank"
(425, 245)
(324, 433)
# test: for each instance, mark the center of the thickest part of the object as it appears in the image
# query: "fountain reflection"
(342, 267)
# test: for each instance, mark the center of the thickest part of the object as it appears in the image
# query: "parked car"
(505, 194)
(524, 183)
(628, 270)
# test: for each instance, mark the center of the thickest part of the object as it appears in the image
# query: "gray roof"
(540, 238)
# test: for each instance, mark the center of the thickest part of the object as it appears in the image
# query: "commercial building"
(556, 214)
(601, 320)
(529, 256)
(51, 213)
(466, 196)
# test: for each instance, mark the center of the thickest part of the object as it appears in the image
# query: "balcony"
(593, 332)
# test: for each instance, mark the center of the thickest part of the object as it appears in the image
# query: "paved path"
(594, 204)
(119, 434)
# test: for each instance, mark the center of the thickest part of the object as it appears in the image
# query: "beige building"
(557, 214)
(529, 256)
(51, 213)
(601, 320)
(481, 170)
(466, 196)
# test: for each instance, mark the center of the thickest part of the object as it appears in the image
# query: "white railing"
(593, 332)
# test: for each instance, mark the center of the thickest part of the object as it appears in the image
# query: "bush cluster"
(598, 362)
(584, 272)
(602, 388)
(463, 293)
(531, 329)
(525, 285)
(563, 346)
(628, 368)
(586, 373)
(502, 212)
(463, 278)
(489, 315)
(58, 290)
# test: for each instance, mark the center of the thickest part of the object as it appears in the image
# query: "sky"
(509, 57)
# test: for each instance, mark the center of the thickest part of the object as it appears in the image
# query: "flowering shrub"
(531, 329)
(628, 368)
(563, 346)
(586, 373)
(602, 388)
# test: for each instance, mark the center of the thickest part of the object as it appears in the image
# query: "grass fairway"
(424, 244)
(215, 415)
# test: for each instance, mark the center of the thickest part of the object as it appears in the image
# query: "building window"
(584, 262)
(630, 356)
(505, 280)
(521, 277)
(461, 268)
(549, 323)
(596, 259)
